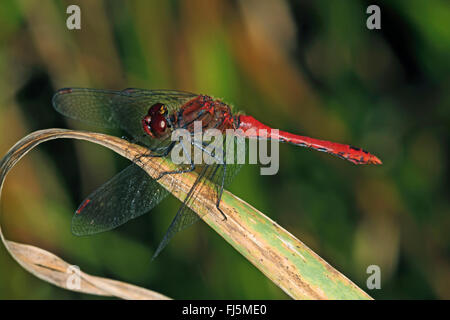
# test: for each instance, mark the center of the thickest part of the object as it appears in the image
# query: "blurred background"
(310, 67)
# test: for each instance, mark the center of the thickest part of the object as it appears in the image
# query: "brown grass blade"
(285, 260)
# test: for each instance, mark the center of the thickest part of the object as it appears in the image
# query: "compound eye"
(159, 124)
(157, 108)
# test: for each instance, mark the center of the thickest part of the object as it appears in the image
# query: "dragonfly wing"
(116, 109)
(126, 196)
(89, 105)
(185, 216)
(219, 175)
(234, 165)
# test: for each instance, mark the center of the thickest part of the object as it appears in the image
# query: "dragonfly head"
(155, 123)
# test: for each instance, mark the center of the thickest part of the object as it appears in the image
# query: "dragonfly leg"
(191, 168)
(165, 153)
(154, 154)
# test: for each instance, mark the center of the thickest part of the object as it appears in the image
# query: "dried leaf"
(285, 260)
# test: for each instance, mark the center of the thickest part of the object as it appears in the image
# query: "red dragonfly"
(150, 117)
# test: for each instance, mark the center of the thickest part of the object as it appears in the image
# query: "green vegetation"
(310, 68)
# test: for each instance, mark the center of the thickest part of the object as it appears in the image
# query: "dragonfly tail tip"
(375, 160)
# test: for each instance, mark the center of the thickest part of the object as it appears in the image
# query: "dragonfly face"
(155, 122)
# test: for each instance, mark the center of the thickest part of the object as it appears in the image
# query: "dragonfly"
(150, 117)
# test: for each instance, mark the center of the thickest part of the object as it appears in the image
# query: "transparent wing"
(126, 196)
(220, 176)
(117, 109)
(185, 216)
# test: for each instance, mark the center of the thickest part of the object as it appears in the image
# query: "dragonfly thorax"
(213, 114)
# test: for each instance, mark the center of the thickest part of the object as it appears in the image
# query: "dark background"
(310, 67)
